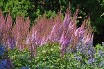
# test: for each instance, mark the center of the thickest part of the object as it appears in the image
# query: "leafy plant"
(17, 7)
(48, 56)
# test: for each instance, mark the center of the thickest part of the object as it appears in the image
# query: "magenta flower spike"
(79, 32)
(33, 36)
(28, 38)
(67, 20)
(64, 42)
(52, 33)
(11, 42)
(44, 40)
(2, 21)
(71, 27)
(56, 33)
(8, 22)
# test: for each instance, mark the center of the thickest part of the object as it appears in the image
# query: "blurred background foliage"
(36, 8)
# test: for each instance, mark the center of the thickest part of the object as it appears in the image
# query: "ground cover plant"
(53, 43)
(48, 57)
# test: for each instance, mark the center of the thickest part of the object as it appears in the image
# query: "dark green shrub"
(16, 7)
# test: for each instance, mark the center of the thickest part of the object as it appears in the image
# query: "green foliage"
(48, 57)
(20, 58)
(50, 14)
(1, 3)
(16, 7)
(95, 9)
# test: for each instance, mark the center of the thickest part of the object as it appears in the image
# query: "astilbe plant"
(2, 24)
(20, 31)
(39, 33)
(5, 31)
(69, 26)
(45, 30)
(56, 30)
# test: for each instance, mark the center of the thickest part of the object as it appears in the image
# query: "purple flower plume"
(67, 20)
(64, 42)
(56, 33)
(11, 42)
(91, 60)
